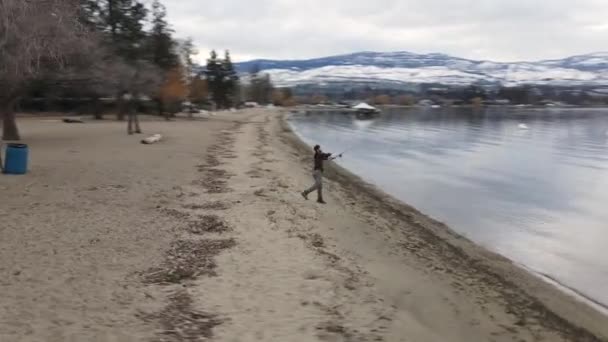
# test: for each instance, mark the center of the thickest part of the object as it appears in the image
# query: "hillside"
(410, 68)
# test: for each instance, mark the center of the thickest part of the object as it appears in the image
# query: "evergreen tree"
(90, 14)
(161, 44)
(123, 21)
(215, 78)
(231, 80)
(222, 79)
(186, 51)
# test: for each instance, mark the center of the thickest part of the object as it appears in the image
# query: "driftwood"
(73, 120)
(152, 139)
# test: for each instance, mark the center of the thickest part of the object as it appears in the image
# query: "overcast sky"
(500, 30)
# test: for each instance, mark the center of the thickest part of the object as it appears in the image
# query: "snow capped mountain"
(591, 62)
(410, 68)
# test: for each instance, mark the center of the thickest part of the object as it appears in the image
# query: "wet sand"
(205, 236)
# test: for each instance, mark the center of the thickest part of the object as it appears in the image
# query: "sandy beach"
(205, 236)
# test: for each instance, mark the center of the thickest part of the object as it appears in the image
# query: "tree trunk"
(97, 110)
(137, 127)
(130, 116)
(130, 124)
(9, 125)
(120, 103)
(163, 110)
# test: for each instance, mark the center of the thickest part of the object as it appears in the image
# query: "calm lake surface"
(529, 184)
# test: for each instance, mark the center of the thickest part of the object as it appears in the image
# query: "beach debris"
(254, 173)
(152, 139)
(208, 206)
(180, 321)
(212, 161)
(174, 213)
(208, 224)
(217, 173)
(317, 240)
(213, 186)
(259, 193)
(187, 260)
(73, 120)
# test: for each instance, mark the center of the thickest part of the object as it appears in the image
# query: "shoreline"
(550, 298)
(568, 290)
(329, 108)
(580, 295)
(205, 236)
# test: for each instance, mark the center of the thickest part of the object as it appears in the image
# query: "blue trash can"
(15, 162)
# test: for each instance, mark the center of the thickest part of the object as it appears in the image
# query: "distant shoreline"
(330, 108)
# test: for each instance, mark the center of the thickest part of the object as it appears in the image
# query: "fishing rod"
(341, 154)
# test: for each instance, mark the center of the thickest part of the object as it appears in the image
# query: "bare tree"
(34, 36)
(91, 74)
(106, 74)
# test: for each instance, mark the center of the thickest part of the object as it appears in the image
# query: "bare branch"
(36, 35)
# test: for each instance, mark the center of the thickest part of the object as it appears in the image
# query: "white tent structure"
(365, 108)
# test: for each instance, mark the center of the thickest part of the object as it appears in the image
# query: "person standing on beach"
(317, 174)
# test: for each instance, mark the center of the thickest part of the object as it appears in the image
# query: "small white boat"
(523, 126)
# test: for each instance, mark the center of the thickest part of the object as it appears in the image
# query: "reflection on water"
(530, 184)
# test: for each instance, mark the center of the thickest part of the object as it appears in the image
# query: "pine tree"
(122, 21)
(186, 51)
(122, 24)
(231, 80)
(222, 79)
(215, 78)
(161, 44)
(90, 14)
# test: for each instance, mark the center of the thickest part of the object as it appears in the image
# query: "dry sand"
(75, 231)
(206, 237)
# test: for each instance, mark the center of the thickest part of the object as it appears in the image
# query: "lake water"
(529, 184)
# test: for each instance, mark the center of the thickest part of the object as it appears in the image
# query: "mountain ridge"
(411, 68)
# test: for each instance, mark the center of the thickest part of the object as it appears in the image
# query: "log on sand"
(152, 139)
(73, 120)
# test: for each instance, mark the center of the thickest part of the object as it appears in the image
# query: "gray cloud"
(503, 30)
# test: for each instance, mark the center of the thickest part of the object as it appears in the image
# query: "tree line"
(456, 95)
(85, 48)
(123, 50)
